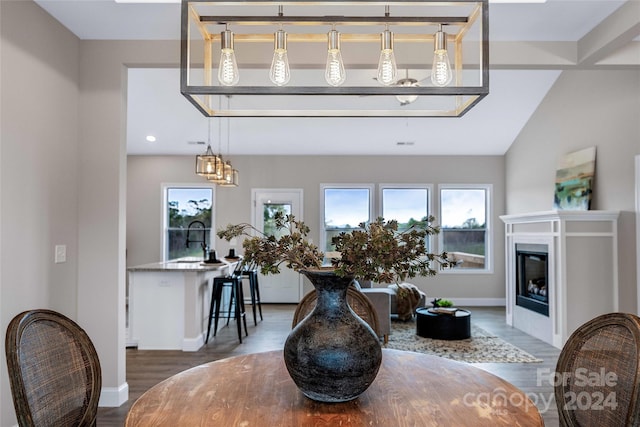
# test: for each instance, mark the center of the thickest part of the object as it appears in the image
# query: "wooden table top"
(411, 389)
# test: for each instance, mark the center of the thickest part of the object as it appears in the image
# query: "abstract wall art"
(574, 180)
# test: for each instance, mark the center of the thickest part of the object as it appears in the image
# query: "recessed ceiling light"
(150, 138)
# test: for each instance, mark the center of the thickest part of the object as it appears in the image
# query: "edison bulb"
(387, 68)
(279, 73)
(228, 69)
(334, 72)
(441, 73)
(210, 168)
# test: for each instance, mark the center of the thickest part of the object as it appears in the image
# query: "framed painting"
(574, 180)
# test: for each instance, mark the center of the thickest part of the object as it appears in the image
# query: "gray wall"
(38, 169)
(584, 109)
(146, 174)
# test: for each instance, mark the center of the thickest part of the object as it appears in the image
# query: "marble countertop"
(184, 264)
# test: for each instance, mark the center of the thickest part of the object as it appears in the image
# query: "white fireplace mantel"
(583, 269)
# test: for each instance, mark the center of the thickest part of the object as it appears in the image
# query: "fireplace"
(532, 271)
(576, 252)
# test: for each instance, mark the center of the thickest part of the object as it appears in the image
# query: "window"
(188, 211)
(269, 218)
(406, 203)
(464, 219)
(343, 208)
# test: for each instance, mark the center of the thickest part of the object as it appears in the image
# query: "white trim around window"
(163, 209)
(323, 187)
(488, 262)
(430, 207)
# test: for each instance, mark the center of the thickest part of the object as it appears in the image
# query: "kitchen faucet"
(203, 242)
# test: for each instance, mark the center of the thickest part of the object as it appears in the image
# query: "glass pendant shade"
(387, 68)
(441, 72)
(207, 163)
(231, 176)
(228, 172)
(407, 99)
(334, 72)
(279, 73)
(218, 176)
(228, 68)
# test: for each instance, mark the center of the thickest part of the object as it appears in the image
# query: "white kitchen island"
(169, 303)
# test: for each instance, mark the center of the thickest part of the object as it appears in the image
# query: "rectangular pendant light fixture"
(330, 56)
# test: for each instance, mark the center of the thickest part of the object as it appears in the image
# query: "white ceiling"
(155, 105)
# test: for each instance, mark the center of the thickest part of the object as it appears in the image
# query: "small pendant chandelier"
(208, 163)
(230, 174)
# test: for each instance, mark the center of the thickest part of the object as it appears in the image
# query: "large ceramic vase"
(332, 355)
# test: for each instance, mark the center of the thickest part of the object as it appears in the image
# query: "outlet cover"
(60, 254)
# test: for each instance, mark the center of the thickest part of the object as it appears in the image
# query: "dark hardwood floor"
(147, 368)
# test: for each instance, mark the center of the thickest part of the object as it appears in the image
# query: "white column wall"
(102, 198)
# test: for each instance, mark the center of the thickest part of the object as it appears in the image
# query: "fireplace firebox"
(532, 284)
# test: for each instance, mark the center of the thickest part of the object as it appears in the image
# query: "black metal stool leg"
(233, 291)
(240, 313)
(218, 290)
(211, 310)
(252, 291)
(254, 276)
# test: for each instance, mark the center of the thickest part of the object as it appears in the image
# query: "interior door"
(285, 287)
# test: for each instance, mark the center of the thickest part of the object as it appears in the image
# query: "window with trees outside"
(464, 219)
(343, 208)
(188, 210)
(269, 218)
(406, 204)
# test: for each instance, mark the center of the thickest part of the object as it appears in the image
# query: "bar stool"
(254, 289)
(234, 280)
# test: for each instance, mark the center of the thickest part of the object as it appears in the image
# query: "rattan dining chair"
(358, 302)
(54, 370)
(597, 377)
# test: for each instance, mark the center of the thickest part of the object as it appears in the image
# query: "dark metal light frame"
(462, 97)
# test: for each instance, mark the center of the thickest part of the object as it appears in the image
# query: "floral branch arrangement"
(380, 252)
(268, 252)
(377, 252)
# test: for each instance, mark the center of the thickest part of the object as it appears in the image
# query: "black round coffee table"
(455, 326)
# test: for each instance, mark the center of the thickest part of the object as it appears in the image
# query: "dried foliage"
(383, 254)
(268, 252)
(378, 252)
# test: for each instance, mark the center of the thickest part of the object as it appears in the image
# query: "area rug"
(482, 347)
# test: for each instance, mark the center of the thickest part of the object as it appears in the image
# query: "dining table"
(411, 389)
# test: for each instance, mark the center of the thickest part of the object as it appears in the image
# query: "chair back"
(598, 373)
(358, 302)
(54, 370)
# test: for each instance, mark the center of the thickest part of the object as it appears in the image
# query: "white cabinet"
(582, 269)
(169, 305)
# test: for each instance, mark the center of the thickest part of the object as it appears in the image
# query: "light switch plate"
(60, 254)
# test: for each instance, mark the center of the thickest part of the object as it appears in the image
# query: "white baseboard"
(477, 302)
(193, 344)
(112, 397)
